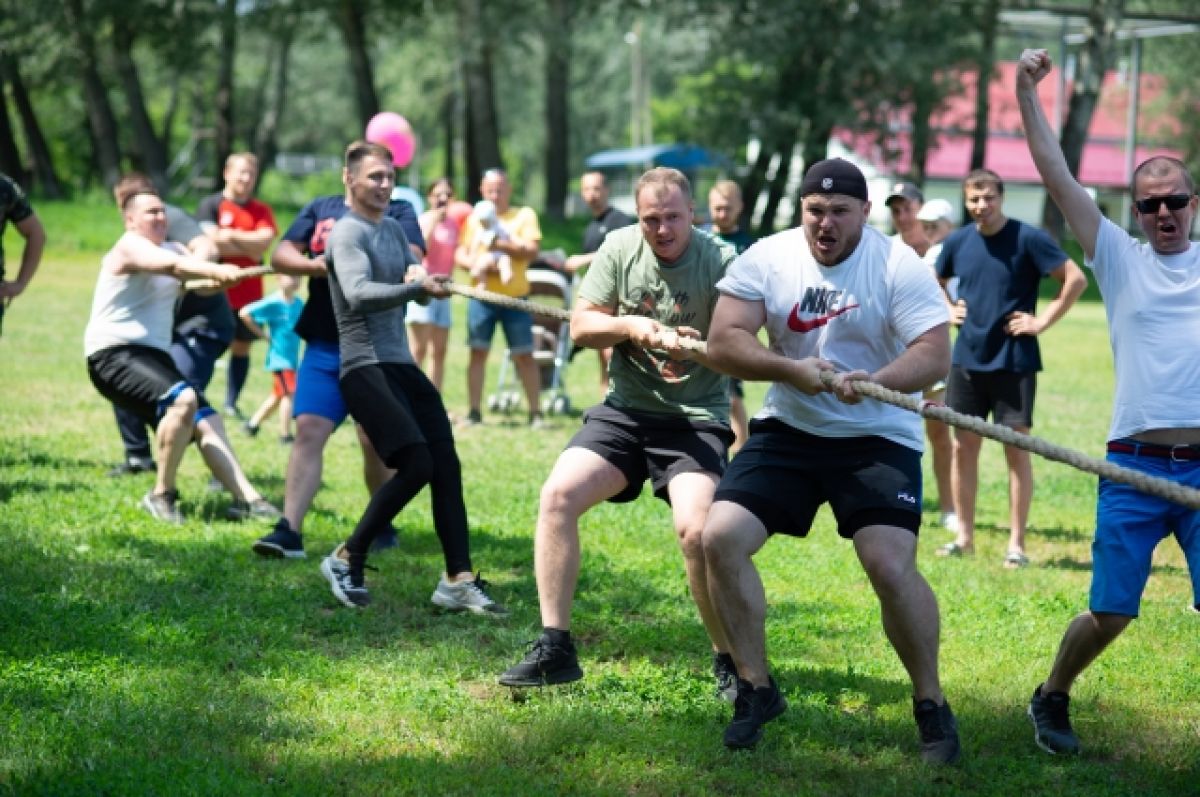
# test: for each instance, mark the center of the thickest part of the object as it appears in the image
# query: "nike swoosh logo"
(797, 324)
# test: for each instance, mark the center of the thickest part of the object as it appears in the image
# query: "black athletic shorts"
(397, 406)
(1006, 395)
(647, 445)
(241, 331)
(141, 379)
(783, 475)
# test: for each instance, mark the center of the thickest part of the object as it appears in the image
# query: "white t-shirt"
(1153, 307)
(859, 315)
(136, 308)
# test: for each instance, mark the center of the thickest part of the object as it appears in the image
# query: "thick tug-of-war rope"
(534, 308)
(204, 283)
(1152, 485)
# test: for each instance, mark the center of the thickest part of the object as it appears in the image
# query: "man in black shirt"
(605, 218)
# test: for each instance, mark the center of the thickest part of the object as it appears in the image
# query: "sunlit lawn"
(137, 658)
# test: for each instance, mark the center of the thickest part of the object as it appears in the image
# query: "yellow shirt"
(520, 223)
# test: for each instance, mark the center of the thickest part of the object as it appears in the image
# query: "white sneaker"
(950, 522)
(466, 596)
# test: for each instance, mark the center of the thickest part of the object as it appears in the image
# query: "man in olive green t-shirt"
(665, 417)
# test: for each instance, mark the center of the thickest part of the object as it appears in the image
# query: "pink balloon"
(458, 211)
(394, 132)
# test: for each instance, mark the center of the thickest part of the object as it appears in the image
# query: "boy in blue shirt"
(274, 318)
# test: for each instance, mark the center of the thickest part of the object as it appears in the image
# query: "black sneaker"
(250, 429)
(281, 543)
(939, 732)
(725, 671)
(287, 439)
(546, 663)
(753, 708)
(162, 506)
(350, 589)
(1050, 714)
(132, 467)
(259, 508)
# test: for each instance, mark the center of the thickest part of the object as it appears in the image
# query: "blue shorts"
(317, 390)
(436, 313)
(1129, 526)
(481, 327)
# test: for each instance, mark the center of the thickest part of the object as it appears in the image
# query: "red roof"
(1103, 163)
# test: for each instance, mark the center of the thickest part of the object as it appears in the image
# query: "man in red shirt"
(243, 229)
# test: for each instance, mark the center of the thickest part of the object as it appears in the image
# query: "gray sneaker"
(259, 508)
(466, 596)
(349, 589)
(1050, 715)
(725, 673)
(162, 506)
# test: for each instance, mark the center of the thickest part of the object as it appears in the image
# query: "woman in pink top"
(429, 325)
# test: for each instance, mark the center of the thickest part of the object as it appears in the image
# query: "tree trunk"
(152, 157)
(778, 186)
(266, 137)
(816, 148)
(752, 185)
(923, 102)
(10, 156)
(168, 120)
(223, 100)
(100, 116)
(449, 132)
(1104, 17)
(470, 152)
(351, 17)
(985, 63)
(558, 49)
(483, 129)
(44, 174)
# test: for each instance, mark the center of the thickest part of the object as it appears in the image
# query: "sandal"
(954, 549)
(1015, 560)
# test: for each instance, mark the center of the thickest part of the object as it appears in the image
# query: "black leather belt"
(1179, 453)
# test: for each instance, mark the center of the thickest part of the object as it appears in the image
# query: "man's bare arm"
(1076, 205)
(288, 258)
(734, 348)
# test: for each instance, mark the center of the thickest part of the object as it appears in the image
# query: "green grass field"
(137, 658)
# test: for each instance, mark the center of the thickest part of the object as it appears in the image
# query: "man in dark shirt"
(15, 207)
(1000, 262)
(605, 218)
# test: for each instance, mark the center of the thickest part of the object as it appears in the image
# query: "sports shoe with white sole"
(162, 506)
(351, 591)
(466, 596)
(939, 732)
(281, 543)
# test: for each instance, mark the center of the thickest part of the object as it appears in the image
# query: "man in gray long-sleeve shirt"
(372, 277)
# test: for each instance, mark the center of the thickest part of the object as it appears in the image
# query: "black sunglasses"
(1173, 202)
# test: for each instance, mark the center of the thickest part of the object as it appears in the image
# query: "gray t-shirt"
(627, 278)
(367, 262)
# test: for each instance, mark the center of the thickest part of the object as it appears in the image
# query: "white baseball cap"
(935, 210)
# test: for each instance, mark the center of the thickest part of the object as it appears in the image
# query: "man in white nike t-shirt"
(833, 294)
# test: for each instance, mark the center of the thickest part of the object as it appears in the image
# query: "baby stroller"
(551, 349)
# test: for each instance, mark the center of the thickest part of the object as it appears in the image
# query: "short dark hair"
(982, 178)
(358, 150)
(130, 185)
(1161, 166)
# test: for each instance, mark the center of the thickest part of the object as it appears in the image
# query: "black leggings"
(404, 418)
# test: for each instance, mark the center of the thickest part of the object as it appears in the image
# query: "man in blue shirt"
(999, 262)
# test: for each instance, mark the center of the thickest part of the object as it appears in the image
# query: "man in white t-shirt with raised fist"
(834, 295)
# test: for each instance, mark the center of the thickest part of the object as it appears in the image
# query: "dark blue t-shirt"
(998, 275)
(309, 232)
